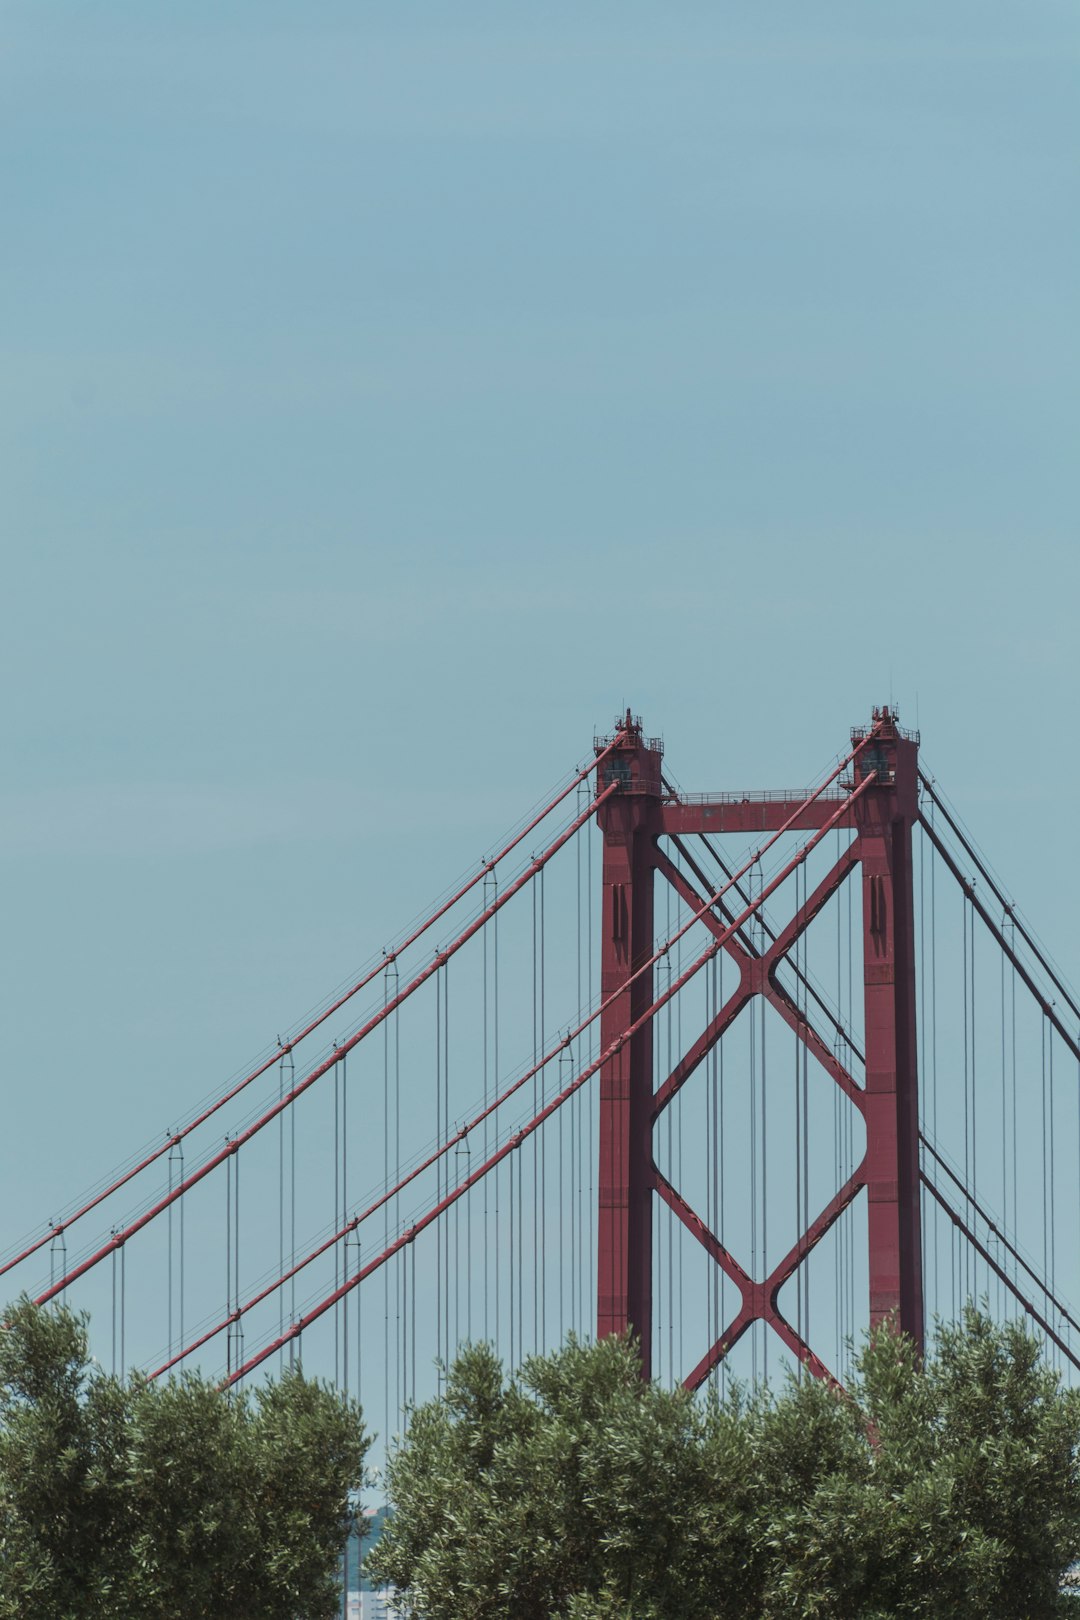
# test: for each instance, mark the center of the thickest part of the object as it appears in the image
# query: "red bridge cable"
(1001, 1236)
(1000, 1271)
(515, 1141)
(122, 1234)
(175, 1137)
(1048, 1007)
(1006, 905)
(490, 1109)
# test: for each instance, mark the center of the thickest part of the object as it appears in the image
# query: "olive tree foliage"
(169, 1500)
(577, 1492)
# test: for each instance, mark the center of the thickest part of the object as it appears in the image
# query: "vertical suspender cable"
(337, 1222)
(721, 1166)
(764, 1150)
(1045, 1176)
(541, 1232)
(967, 1081)
(563, 1123)
(510, 1178)
(580, 845)
(678, 1369)
(494, 926)
(536, 1103)
(440, 1188)
(1053, 1156)
(288, 1079)
(799, 1127)
(933, 1058)
(974, 1086)
(805, 1222)
(838, 1099)
(229, 1259)
(445, 1225)
(710, 1131)
(588, 1103)
(390, 1208)
(755, 1269)
(849, 1128)
(922, 1022)
(490, 894)
(123, 1311)
(1004, 1122)
(239, 1324)
(281, 1202)
(669, 1061)
(342, 1215)
(171, 1280)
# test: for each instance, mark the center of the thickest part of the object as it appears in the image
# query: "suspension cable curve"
(1007, 906)
(175, 1137)
(963, 1229)
(514, 1142)
(1002, 1237)
(1048, 1007)
(122, 1234)
(490, 1109)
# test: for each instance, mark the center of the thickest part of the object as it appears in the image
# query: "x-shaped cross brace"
(757, 977)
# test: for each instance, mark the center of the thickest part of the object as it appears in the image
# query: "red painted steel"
(436, 1211)
(737, 924)
(884, 821)
(881, 808)
(687, 814)
(630, 823)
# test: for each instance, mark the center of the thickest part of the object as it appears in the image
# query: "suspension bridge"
(745, 1072)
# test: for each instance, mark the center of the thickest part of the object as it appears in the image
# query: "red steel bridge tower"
(880, 805)
(456, 1194)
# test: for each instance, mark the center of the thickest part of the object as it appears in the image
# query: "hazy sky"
(392, 393)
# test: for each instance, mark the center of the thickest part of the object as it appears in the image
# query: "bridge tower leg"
(630, 823)
(884, 818)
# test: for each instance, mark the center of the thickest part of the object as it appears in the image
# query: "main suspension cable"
(409, 1236)
(313, 1024)
(123, 1233)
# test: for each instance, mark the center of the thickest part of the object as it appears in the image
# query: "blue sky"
(390, 396)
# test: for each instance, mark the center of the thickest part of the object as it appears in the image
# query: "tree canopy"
(576, 1491)
(170, 1500)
